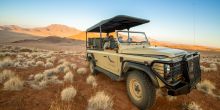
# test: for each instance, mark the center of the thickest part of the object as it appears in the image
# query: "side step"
(109, 74)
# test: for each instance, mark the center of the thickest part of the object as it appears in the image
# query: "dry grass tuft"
(171, 98)
(6, 62)
(191, 106)
(40, 63)
(49, 65)
(73, 66)
(14, 84)
(81, 71)
(38, 77)
(100, 101)
(68, 77)
(6, 74)
(68, 93)
(91, 80)
(57, 105)
(66, 69)
(206, 86)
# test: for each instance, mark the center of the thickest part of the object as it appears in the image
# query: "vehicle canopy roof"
(119, 22)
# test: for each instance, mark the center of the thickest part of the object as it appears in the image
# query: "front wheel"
(140, 89)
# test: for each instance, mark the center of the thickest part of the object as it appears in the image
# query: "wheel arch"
(128, 66)
(90, 56)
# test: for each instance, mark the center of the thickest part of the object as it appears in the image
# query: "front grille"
(192, 67)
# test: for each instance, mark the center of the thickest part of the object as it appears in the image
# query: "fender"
(141, 67)
(90, 56)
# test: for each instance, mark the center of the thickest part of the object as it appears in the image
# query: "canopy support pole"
(100, 28)
(86, 40)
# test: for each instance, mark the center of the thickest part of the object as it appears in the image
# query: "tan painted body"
(110, 59)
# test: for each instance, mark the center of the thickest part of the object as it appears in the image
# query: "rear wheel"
(92, 67)
(140, 89)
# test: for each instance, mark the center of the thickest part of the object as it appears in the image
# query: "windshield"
(134, 37)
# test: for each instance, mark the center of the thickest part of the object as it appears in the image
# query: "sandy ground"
(31, 99)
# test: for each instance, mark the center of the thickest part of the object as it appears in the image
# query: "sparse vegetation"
(100, 101)
(49, 65)
(73, 66)
(81, 70)
(6, 74)
(191, 106)
(68, 77)
(206, 86)
(6, 62)
(40, 63)
(14, 84)
(91, 80)
(68, 93)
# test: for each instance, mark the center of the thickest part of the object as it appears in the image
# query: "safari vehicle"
(145, 68)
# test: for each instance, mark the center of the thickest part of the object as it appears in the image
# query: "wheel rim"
(91, 66)
(135, 89)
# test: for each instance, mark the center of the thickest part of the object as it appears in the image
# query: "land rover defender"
(122, 54)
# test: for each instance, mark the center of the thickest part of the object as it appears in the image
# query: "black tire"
(92, 67)
(142, 92)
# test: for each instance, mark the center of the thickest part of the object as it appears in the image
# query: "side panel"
(107, 59)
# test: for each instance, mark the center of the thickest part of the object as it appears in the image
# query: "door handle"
(109, 59)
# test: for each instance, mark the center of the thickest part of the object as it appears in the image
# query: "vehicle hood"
(157, 51)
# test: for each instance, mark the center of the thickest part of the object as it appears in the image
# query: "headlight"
(170, 72)
(167, 71)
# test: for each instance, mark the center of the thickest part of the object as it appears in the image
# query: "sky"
(179, 21)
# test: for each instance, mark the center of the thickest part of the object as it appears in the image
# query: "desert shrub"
(206, 86)
(14, 84)
(191, 106)
(68, 93)
(61, 61)
(60, 68)
(38, 77)
(68, 77)
(50, 72)
(54, 80)
(25, 50)
(40, 63)
(43, 83)
(171, 98)
(91, 80)
(81, 71)
(51, 59)
(6, 62)
(6, 74)
(31, 63)
(214, 67)
(73, 66)
(57, 105)
(49, 65)
(100, 101)
(66, 69)
(30, 77)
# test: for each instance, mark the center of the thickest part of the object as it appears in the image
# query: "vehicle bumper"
(182, 88)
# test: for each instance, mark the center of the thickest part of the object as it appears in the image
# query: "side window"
(95, 43)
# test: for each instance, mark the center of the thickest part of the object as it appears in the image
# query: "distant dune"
(51, 30)
(8, 36)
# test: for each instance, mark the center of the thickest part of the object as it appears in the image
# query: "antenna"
(194, 24)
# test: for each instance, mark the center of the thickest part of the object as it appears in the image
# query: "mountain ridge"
(50, 30)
